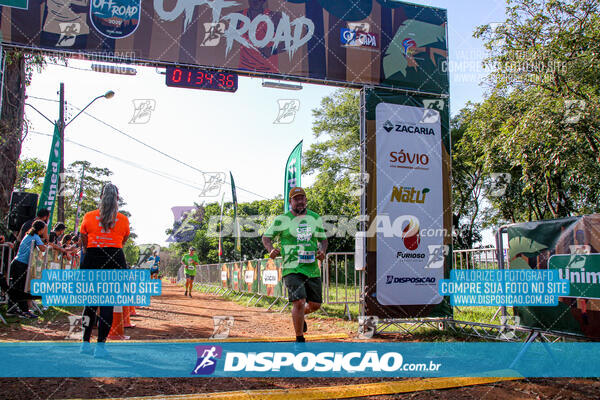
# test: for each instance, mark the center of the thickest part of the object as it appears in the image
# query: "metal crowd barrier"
(341, 282)
(485, 258)
(262, 278)
(6, 256)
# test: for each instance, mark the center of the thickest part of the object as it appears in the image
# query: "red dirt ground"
(173, 316)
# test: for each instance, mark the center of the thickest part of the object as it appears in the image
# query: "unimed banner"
(374, 42)
(410, 260)
(572, 247)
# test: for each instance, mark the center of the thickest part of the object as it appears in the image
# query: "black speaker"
(23, 207)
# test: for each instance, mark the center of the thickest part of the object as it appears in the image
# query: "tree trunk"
(11, 125)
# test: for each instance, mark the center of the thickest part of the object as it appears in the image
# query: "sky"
(208, 132)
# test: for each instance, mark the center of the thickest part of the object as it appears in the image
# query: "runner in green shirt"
(190, 261)
(303, 242)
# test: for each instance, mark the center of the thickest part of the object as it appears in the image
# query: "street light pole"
(62, 124)
(61, 128)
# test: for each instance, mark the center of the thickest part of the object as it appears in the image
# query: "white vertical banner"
(410, 225)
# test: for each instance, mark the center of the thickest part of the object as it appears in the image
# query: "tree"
(540, 122)
(338, 120)
(549, 49)
(30, 175)
(18, 70)
(467, 181)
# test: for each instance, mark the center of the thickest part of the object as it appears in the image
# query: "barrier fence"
(485, 258)
(263, 278)
(342, 285)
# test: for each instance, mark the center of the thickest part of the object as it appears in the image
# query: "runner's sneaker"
(29, 315)
(190, 294)
(186, 293)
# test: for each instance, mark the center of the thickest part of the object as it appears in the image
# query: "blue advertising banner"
(205, 359)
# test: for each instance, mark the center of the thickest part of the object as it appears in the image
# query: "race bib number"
(306, 257)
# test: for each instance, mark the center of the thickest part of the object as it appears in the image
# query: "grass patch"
(51, 314)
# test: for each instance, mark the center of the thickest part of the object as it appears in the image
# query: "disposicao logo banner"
(302, 359)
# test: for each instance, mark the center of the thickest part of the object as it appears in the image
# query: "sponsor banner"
(270, 277)
(325, 41)
(15, 3)
(581, 270)
(410, 192)
(52, 180)
(293, 174)
(249, 276)
(218, 359)
(518, 287)
(115, 19)
(101, 287)
(571, 247)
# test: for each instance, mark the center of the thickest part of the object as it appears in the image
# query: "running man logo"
(76, 324)
(436, 256)
(207, 359)
(142, 110)
(287, 111)
(507, 331)
(578, 255)
(68, 33)
(433, 108)
(574, 110)
(499, 182)
(213, 31)
(213, 181)
(367, 325)
(358, 183)
(222, 325)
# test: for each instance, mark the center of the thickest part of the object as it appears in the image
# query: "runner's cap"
(192, 248)
(296, 191)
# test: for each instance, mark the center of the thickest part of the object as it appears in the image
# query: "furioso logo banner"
(373, 42)
(409, 225)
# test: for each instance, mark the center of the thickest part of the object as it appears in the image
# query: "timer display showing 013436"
(201, 79)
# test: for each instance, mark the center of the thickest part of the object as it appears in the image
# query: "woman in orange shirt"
(103, 233)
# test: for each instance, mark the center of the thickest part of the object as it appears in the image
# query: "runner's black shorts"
(301, 286)
(188, 276)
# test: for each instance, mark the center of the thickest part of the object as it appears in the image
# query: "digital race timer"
(201, 79)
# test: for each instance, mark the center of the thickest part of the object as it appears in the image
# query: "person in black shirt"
(42, 215)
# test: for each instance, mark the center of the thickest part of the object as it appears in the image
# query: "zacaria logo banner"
(409, 153)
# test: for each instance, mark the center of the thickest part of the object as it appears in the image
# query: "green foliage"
(30, 175)
(132, 252)
(541, 121)
(337, 120)
(467, 182)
